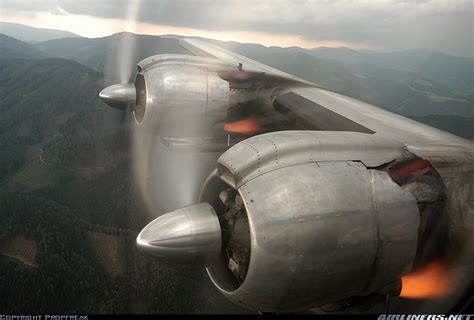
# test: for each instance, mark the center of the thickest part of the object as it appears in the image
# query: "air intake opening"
(140, 104)
(231, 269)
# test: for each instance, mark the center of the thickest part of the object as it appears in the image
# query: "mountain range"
(428, 83)
(14, 48)
(31, 34)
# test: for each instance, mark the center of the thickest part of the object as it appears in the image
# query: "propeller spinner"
(119, 96)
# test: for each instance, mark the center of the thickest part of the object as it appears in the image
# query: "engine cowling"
(306, 218)
(181, 95)
(321, 224)
(187, 96)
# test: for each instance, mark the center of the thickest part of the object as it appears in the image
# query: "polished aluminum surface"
(397, 229)
(119, 96)
(384, 123)
(320, 232)
(185, 95)
(318, 218)
(266, 152)
(186, 235)
(199, 47)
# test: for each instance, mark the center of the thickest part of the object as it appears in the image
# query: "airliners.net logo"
(426, 317)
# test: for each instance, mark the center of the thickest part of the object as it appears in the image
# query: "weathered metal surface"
(184, 94)
(316, 116)
(202, 48)
(263, 153)
(398, 220)
(322, 231)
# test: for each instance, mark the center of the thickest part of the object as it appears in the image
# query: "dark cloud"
(396, 24)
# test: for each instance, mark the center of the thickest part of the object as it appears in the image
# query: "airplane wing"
(332, 111)
(204, 49)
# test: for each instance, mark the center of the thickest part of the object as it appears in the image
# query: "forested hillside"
(13, 48)
(59, 140)
(70, 277)
(66, 184)
(104, 54)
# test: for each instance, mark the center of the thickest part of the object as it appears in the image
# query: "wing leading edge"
(201, 48)
(332, 111)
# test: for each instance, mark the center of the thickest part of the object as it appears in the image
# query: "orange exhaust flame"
(249, 125)
(432, 281)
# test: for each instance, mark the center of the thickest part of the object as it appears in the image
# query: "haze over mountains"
(31, 34)
(16, 49)
(413, 83)
(63, 153)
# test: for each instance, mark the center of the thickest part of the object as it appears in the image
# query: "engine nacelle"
(181, 95)
(307, 218)
(306, 221)
(187, 96)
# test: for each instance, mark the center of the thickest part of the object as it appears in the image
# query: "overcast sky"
(445, 25)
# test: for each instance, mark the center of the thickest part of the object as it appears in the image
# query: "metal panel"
(398, 220)
(263, 153)
(184, 94)
(323, 227)
(177, 59)
(314, 115)
(205, 49)
(312, 230)
(384, 123)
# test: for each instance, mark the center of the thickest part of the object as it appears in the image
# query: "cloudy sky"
(445, 25)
